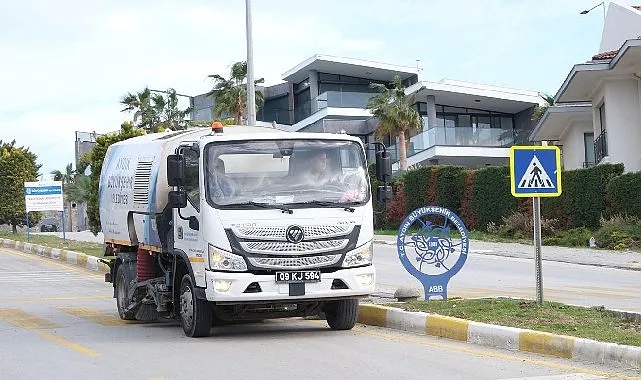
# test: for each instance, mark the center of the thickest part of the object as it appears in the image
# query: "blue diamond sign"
(535, 171)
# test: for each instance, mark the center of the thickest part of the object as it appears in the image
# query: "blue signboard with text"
(535, 171)
(432, 245)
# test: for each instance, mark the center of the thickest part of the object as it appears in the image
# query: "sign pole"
(28, 235)
(536, 207)
(63, 225)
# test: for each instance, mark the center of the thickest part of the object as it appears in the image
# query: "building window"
(588, 144)
(602, 117)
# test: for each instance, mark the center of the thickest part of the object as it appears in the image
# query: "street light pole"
(588, 10)
(251, 91)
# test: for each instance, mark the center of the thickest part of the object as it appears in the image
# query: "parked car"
(49, 225)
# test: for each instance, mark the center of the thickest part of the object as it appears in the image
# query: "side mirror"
(383, 166)
(384, 194)
(177, 199)
(193, 223)
(175, 170)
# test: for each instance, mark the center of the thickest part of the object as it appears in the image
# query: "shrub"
(585, 192)
(619, 232)
(624, 195)
(576, 237)
(417, 183)
(468, 215)
(449, 183)
(520, 225)
(491, 195)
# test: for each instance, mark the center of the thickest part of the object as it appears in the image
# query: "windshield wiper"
(263, 205)
(345, 206)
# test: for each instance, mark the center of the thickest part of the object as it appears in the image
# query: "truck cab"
(245, 223)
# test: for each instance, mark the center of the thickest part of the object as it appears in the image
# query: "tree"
(155, 112)
(395, 114)
(67, 178)
(17, 166)
(539, 111)
(230, 95)
(94, 160)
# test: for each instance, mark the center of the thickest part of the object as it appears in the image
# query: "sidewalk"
(583, 256)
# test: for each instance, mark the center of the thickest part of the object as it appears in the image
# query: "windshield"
(285, 172)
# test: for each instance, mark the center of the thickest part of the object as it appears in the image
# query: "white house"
(597, 113)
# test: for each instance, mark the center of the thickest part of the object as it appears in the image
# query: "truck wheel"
(195, 314)
(342, 314)
(123, 279)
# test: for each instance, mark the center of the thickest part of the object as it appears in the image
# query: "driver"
(220, 185)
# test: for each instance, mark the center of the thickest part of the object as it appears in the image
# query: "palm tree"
(539, 111)
(395, 114)
(167, 111)
(230, 95)
(67, 178)
(141, 104)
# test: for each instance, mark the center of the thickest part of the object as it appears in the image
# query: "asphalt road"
(487, 275)
(60, 322)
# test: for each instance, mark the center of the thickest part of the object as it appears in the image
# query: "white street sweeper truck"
(247, 223)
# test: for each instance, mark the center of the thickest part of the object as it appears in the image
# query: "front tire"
(196, 315)
(342, 314)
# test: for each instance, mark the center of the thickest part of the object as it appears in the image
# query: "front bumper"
(271, 291)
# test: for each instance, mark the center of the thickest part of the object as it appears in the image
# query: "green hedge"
(585, 193)
(491, 196)
(417, 183)
(624, 195)
(450, 183)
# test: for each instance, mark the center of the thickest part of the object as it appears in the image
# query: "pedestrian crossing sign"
(535, 171)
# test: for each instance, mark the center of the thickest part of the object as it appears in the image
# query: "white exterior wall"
(623, 122)
(574, 144)
(622, 23)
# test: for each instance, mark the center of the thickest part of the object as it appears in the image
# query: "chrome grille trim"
(294, 262)
(286, 248)
(277, 233)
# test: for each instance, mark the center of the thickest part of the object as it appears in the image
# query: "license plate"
(298, 276)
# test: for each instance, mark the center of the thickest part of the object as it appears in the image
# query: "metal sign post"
(535, 171)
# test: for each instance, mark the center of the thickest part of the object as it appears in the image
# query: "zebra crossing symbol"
(535, 177)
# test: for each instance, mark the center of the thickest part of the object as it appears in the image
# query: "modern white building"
(597, 113)
(466, 124)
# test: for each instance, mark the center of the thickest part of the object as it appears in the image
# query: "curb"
(78, 259)
(502, 337)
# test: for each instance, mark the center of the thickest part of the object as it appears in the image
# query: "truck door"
(187, 234)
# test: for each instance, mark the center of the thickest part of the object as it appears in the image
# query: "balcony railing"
(463, 136)
(600, 147)
(588, 164)
(336, 99)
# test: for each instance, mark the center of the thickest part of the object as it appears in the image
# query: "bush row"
(483, 199)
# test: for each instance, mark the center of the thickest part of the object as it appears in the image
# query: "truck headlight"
(359, 256)
(222, 260)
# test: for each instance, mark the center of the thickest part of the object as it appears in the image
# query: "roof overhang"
(584, 77)
(556, 120)
(347, 66)
(477, 96)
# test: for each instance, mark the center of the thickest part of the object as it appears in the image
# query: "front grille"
(278, 232)
(294, 262)
(286, 248)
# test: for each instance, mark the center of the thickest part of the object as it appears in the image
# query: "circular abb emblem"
(294, 234)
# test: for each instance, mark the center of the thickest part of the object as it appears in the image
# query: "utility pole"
(251, 91)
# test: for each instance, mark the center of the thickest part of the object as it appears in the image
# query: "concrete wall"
(623, 122)
(622, 23)
(574, 144)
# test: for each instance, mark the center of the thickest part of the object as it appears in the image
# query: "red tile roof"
(605, 55)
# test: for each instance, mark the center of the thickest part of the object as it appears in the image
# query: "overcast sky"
(65, 64)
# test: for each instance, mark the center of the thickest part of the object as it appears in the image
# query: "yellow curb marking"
(446, 327)
(547, 344)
